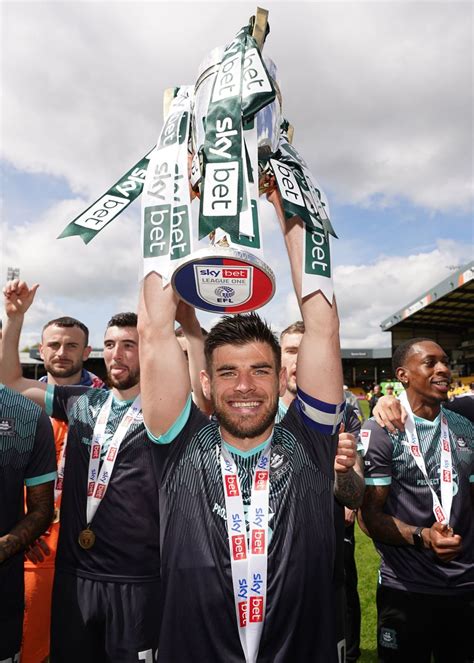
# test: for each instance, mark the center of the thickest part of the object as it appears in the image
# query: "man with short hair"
(418, 508)
(107, 588)
(348, 491)
(27, 458)
(215, 476)
(64, 348)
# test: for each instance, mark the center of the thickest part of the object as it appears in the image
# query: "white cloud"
(380, 93)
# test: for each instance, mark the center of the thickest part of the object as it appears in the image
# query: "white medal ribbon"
(441, 510)
(97, 482)
(248, 560)
(58, 484)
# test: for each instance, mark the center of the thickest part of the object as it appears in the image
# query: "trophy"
(224, 143)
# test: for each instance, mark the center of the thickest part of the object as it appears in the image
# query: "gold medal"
(56, 515)
(86, 538)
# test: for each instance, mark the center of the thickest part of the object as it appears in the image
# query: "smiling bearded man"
(418, 508)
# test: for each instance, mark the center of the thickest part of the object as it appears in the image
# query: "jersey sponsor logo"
(258, 542)
(238, 547)
(365, 439)
(90, 489)
(232, 486)
(148, 655)
(261, 479)
(7, 427)
(256, 609)
(99, 491)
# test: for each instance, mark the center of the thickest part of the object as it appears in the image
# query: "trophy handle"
(260, 27)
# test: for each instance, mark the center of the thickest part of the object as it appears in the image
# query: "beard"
(131, 379)
(292, 388)
(240, 426)
(63, 371)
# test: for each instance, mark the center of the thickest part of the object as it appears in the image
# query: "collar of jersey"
(427, 422)
(250, 452)
(119, 402)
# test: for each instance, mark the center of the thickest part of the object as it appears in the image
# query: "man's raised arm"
(18, 298)
(319, 368)
(164, 376)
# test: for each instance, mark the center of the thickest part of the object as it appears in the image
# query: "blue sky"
(382, 114)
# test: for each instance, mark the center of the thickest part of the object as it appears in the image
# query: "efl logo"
(95, 450)
(446, 475)
(415, 450)
(261, 479)
(231, 486)
(242, 614)
(256, 609)
(90, 490)
(258, 542)
(99, 491)
(112, 453)
(238, 548)
(235, 273)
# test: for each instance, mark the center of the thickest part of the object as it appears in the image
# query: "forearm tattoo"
(40, 513)
(349, 489)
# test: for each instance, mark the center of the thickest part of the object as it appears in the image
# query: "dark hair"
(123, 320)
(296, 328)
(67, 322)
(240, 330)
(178, 332)
(471, 385)
(403, 350)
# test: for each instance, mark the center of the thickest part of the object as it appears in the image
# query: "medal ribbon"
(98, 481)
(441, 510)
(248, 560)
(58, 484)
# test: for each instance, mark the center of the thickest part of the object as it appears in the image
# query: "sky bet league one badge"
(223, 144)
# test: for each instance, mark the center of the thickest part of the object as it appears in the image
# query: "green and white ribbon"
(241, 88)
(112, 203)
(166, 204)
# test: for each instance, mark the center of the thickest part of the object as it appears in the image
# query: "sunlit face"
(290, 344)
(426, 372)
(63, 351)
(121, 357)
(244, 387)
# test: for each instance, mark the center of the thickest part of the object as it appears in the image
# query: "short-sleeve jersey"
(199, 621)
(388, 461)
(27, 457)
(126, 524)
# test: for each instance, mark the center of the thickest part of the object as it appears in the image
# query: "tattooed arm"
(349, 482)
(39, 515)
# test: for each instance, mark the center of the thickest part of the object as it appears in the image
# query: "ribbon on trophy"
(112, 203)
(166, 206)
(229, 126)
(229, 196)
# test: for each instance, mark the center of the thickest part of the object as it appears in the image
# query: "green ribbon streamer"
(112, 203)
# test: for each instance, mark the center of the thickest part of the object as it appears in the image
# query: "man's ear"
(40, 348)
(86, 352)
(205, 384)
(402, 375)
(283, 380)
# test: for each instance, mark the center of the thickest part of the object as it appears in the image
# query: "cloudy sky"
(380, 94)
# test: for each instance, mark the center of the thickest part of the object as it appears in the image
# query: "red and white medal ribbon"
(58, 484)
(441, 509)
(97, 482)
(248, 559)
